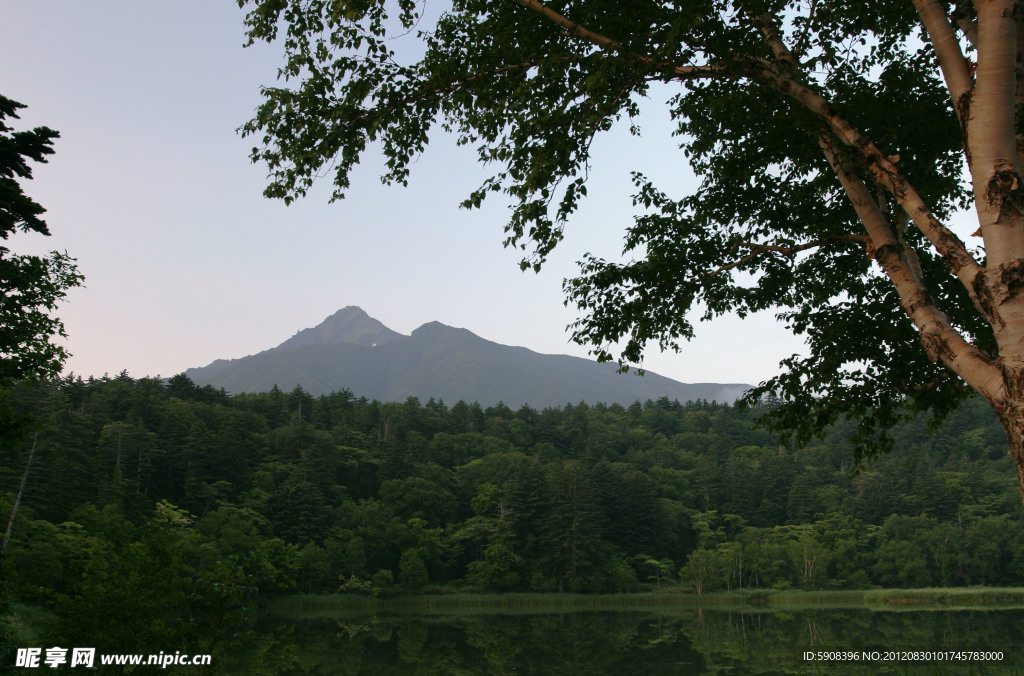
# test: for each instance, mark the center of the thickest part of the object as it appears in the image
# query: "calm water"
(690, 641)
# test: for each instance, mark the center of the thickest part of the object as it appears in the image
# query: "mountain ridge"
(352, 350)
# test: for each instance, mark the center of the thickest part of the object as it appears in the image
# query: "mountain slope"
(352, 350)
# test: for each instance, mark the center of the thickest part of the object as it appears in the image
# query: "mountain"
(352, 350)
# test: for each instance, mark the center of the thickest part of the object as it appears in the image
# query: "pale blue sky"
(185, 261)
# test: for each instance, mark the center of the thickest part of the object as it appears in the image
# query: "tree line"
(149, 498)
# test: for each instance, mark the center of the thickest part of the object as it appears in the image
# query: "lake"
(651, 642)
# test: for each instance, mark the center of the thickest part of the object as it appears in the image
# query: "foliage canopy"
(833, 142)
(30, 286)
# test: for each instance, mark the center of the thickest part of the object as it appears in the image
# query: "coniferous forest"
(159, 508)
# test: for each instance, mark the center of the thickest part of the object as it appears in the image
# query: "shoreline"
(756, 600)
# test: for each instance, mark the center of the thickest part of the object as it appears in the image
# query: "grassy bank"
(945, 598)
(312, 604)
(875, 599)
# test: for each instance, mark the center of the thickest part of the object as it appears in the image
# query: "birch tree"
(834, 143)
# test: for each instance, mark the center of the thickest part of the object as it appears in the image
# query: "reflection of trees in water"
(690, 641)
(813, 637)
(739, 642)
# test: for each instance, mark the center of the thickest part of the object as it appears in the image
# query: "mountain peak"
(350, 325)
(435, 326)
(438, 361)
(350, 311)
(437, 331)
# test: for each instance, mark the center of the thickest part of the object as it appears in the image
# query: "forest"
(161, 508)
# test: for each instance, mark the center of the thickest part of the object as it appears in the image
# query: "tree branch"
(964, 22)
(571, 26)
(773, 38)
(758, 249)
(681, 72)
(369, 114)
(883, 170)
(954, 65)
(801, 40)
(605, 42)
(942, 343)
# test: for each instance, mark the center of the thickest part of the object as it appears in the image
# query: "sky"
(151, 188)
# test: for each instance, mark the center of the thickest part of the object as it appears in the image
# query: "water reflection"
(690, 641)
